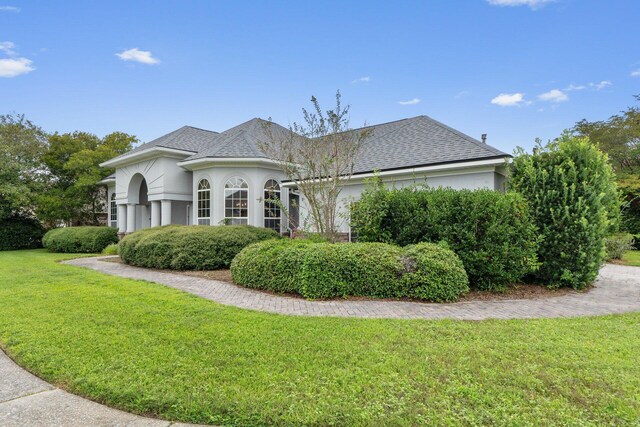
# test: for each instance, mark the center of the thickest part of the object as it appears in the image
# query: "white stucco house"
(197, 176)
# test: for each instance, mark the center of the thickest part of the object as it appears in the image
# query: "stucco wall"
(256, 177)
(165, 180)
(462, 179)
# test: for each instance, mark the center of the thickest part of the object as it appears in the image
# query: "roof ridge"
(385, 123)
(197, 128)
(464, 135)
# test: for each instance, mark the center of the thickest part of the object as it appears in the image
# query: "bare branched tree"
(319, 157)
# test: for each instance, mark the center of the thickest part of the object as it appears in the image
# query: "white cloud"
(635, 73)
(12, 67)
(137, 55)
(7, 47)
(509, 100)
(365, 79)
(596, 86)
(533, 4)
(413, 101)
(9, 9)
(573, 87)
(601, 85)
(462, 94)
(554, 95)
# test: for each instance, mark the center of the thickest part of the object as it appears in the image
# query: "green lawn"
(631, 258)
(153, 350)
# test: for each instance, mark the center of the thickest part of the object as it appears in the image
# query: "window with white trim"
(236, 201)
(204, 202)
(272, 211)
(113, 210)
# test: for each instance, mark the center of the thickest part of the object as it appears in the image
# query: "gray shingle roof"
(418, 141)
(238, 142)
(187, 138)
(412, 142)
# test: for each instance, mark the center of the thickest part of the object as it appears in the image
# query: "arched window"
(204, 202)
(113, 210)
(236, 201)
(272, 212)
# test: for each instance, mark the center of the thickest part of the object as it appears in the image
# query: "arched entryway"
(141, 210)
(138, 211)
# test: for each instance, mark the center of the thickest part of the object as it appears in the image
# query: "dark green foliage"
(19, 232)
(357, 269)
(617, 244)
(73, 163)
(435, 273)
(21, 169)
(327, 270)
(87, 239)
(181, 247)
(574, 201)
(491, 232)
(274, 265)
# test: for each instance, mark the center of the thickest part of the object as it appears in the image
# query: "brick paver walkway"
(617, 290)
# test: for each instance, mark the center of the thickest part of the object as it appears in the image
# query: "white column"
(122, 218)
(155, 213)
(166, 212)
(144, 210)
(131, 217)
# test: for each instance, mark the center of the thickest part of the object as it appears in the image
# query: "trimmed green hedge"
(325, 270)
(86, 239)
(18, 232)
(189, 247)
(434, 273)
(492, 232)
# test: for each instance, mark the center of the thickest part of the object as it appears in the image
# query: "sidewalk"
(28, 401)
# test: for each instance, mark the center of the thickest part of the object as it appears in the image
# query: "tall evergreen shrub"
(570, 187)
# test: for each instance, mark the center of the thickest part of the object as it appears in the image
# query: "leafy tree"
(570, 186)
(319, 156)
(72, 161)
(619, 137)
(22, 175)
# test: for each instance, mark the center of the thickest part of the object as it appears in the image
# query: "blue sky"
(514, 69)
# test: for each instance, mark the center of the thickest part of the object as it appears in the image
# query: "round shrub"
(86, 239)
(194, 247)
(434, 273)
(327, 270)
(18, 232)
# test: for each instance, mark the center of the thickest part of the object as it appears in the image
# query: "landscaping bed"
(189, 247)
(517, 291)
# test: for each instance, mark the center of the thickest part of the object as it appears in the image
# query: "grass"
(156, 351)
(631, 258)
